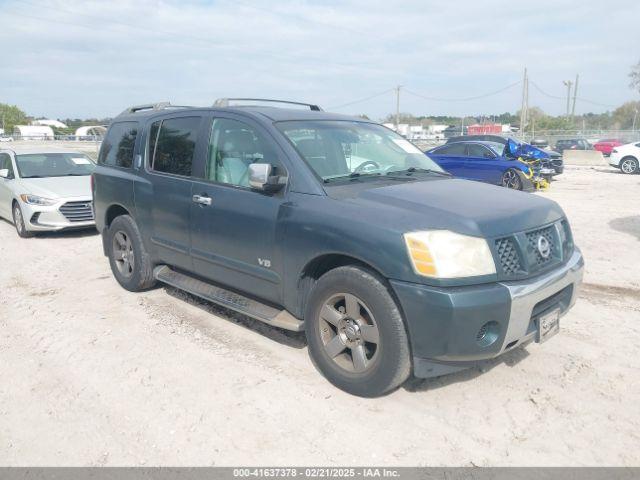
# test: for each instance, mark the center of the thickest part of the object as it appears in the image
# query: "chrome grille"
(77, 211)
(508, 256)
(532, 240)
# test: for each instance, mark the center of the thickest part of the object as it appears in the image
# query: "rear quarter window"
(118, 146)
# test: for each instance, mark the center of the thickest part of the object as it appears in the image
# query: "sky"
(83, 59)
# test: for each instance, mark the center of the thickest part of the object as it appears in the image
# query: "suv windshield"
(341, 148)
(38, 165)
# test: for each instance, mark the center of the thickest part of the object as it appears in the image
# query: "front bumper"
(444, 323)
(50, 218)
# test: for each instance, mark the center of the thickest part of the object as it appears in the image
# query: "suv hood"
(57, 187)
(463, 206)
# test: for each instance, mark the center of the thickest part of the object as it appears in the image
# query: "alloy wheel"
(123, 255)
(629, 165)
(349, 333)
(510, 179)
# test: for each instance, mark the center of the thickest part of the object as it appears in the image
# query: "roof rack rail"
(150, 106)
(224, 102)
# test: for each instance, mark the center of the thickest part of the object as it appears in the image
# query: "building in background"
(33, 132)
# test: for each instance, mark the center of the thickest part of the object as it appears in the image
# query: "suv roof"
(270, 112)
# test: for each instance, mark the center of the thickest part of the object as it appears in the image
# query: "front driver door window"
(233, 146)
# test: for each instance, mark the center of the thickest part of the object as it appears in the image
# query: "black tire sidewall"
(137, 281)
(392, 365)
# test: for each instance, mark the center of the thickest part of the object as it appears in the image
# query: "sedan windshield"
(40, 165)
(343, 149)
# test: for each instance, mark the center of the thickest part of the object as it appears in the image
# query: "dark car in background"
(540, 143)
(549, 160)
(573, 144)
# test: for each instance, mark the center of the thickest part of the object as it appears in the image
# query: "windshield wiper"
(411, 170)
(350, 176)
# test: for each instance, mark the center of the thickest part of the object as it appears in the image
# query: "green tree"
(623, 115)
(10, 115)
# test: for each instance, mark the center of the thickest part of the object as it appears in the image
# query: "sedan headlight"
(36, 200)
(445, 254)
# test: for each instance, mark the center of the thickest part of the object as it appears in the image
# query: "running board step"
(226, 298)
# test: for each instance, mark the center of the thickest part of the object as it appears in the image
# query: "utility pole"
(525, 101)
(568, 84)
(398, 108)
(575, 95)
(633, 127)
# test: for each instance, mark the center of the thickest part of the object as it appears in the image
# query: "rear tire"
(128, 258)
(629, 165)
(355, 333)
(18, 221)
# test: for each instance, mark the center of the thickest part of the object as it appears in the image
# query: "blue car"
(485, 162)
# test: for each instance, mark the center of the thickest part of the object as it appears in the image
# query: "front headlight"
(445, 254)
(36, 200)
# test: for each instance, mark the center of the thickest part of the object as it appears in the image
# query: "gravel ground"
(94, 375)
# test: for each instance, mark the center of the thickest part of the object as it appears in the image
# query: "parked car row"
(316, 222)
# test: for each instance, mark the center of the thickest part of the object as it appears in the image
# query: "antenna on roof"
(225, 102)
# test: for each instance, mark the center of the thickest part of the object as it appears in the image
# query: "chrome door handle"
(201, 200)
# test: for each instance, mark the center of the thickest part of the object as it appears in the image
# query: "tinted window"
(453, 149)
(233, 147)
(475, 150)
(172, 144)
(117, 147)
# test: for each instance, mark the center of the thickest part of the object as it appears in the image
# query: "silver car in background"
(45, 189)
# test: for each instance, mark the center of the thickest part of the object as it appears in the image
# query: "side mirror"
(261, 178)
(4, 173)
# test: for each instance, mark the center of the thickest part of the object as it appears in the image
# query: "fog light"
(488, 334)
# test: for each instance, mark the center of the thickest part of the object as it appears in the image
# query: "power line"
(361, 100)
(577, 98)
(464, 99)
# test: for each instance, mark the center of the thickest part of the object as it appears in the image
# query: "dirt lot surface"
(94, 375)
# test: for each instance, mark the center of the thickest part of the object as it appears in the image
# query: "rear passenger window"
(117, 148)
(452, 149)
(172, 144)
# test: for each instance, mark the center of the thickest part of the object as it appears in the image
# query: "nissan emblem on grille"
(544, 247)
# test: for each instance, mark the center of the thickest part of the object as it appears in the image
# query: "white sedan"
(45, 189)
(626, 158)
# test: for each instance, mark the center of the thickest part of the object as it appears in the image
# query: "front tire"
(18, 221)
(355, 333)
(629, 165)
(128, 258)
(511, 179)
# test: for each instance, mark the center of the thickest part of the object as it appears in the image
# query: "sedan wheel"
(511, 179)
(349, 332)
(18, 221)
(629, 165)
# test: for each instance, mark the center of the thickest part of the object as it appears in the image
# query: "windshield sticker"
(406, 145)
(80, 161)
